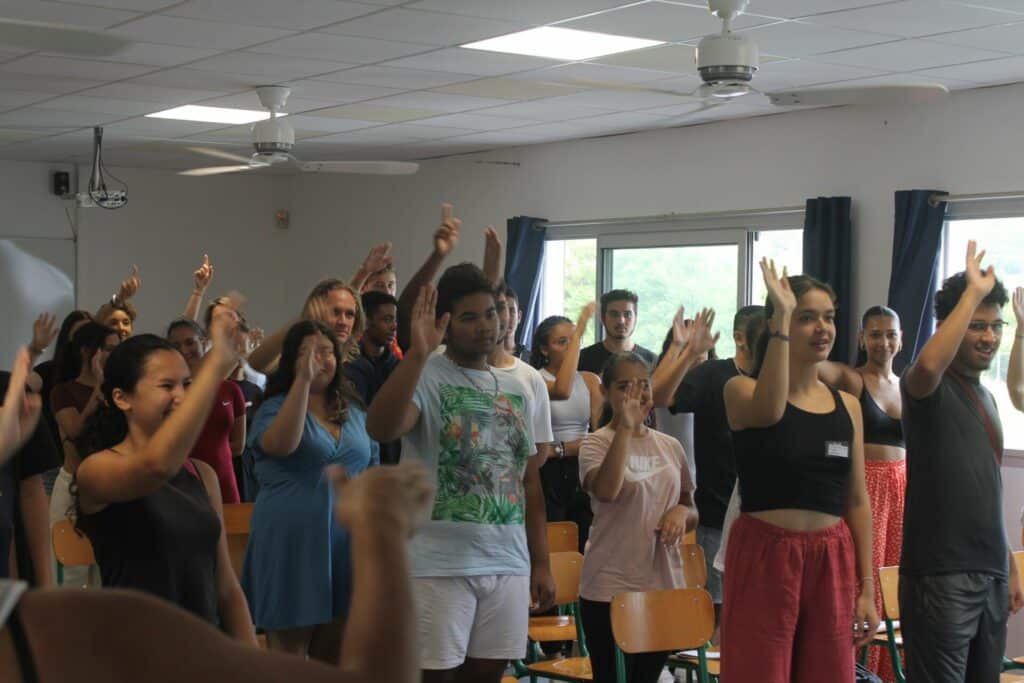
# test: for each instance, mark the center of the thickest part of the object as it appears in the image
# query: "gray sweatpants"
(954, 627)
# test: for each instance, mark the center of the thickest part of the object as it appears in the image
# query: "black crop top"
(879, 426)
(801, 462)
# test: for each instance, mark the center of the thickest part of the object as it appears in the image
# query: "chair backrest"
(695, 570)
(889, 577)
(658, 621)
(566, 567)
(236, 528)
(563, 537)
(71, 547)
(690, 538)
(1018, 557)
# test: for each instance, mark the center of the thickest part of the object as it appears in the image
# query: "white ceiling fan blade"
(363, 167)
(38, 35)
(910, 93)
(217, 170)
(219, 154)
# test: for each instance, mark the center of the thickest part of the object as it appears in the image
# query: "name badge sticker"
(837, 449)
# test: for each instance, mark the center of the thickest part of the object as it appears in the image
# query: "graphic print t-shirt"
(475, 443)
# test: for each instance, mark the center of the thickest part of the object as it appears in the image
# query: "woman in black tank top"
(885, 466)
(154, 516)
(798, 573)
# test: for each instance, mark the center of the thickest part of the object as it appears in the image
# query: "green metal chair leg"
(620, 666)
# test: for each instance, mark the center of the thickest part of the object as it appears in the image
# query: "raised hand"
(308, 365)
(202, 277)
(228, 341)
(447, 235)
(681, 328)
(702, 339)
(378, 258)
(399, 497)
(629, 406)
(129, 287)
(1018, 306)
(979, 280)
(20, 412)
(256, 336)
(44, 331)
(779, 291)
(585, 315)
(426, 330)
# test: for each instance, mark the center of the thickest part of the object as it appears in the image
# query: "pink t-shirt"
(623, 553)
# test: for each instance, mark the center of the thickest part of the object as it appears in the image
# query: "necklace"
(738, 368)
(476, 386)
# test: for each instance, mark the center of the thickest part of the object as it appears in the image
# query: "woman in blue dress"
(297, 572)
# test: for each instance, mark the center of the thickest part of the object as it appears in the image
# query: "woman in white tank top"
(576, 403)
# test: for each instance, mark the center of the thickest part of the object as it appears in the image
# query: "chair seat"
(577, 668)
(1018, 660)
(1011, 678)
(509, 679)
(548, 629)
(691, 662)
(883, 639)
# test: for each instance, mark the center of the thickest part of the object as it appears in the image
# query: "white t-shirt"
(538, 402)
(476, 445)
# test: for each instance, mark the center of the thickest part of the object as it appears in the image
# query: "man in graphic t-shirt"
(482, 560)
(957, 577)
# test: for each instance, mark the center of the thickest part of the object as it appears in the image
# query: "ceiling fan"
(727, 63)
(273, 139)
(40, 35)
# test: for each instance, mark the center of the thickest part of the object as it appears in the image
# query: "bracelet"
(867, 579)
(778, 335)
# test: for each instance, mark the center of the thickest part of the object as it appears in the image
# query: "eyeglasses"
(980, 326)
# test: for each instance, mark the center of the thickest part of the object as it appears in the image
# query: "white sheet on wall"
(36, 276)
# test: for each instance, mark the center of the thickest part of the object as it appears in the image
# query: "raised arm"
(925, 374)
(492, 255)
(44, 331)
(377, 259)
(127, 290)
(70, 420)
(20, 412)
(605, 482)
(264, 357)
(1015, 372)
(560, 388)
(284, 433)
(689, 344)
(201, 279)
(841, 376)
(393, 413)
(445, 239)
(106, 477)
(762, 402)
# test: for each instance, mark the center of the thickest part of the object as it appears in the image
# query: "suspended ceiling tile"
(63, 13)
(477, 121)
(520, 11)
(29, 83)
(9, 99)
(801, 39)
(187, 79)
(791, 9)
(465, 61)
(621, 100)
(439, 102)
(102, 105)
(149, 93)
(134, 5)
(164, 128)
(423, 132)
(249, 100)
(430, 28)
(152, 54)
(298, 15)
(395, 77)
(368, 136)
(157, 28)
(674, 58)
(338, 93)
(1008, 70)
(507, 89)
(593, 72)
(544, 110)
(661, 21)
(37, 117)
(346, 49)
(271, 67)
(1004, 5)
(801, 72)
(913, 18)
(908, 55)
(911, 78)
(39, 65)
(370, 111)
(8, 135)
(327, 124)
(1006, 38)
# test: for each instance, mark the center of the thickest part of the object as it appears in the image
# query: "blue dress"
(297, 568)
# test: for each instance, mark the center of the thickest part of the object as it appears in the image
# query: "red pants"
(887, 487)
(787, 611)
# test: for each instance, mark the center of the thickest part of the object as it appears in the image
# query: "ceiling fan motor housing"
(273, 135)
(727, 57)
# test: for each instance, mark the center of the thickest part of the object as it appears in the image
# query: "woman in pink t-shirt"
(642, 497)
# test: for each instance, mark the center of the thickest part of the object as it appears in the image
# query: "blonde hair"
(315, 309)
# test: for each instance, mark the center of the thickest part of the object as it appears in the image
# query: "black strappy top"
(879, 426)
(10, 594)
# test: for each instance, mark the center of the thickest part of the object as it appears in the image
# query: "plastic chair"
(563, 537)
(71, 547)
(237, 518)
(659, 621)
(566, 568)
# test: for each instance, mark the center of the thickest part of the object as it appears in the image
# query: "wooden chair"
(891, 639)
(71, 547)
(690, 538)
(236, 527)
(695, 568)
(659, 621)
(566, 568)
(563, 537)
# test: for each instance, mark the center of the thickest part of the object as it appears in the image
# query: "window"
(785, 247)
(1003, 238)
(570, 279)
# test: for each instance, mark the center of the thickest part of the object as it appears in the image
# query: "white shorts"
(480, 617)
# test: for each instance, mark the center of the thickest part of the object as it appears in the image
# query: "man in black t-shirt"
(701, 392)
(618, 316)
(957, 577)
(376, 360)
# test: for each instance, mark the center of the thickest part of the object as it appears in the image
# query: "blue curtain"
(523, 260)
(916, 243)
(827, 247)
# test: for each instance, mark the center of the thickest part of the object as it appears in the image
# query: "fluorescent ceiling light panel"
(195, 112)
(561, 43)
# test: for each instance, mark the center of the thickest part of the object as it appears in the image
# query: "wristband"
(778, 335)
